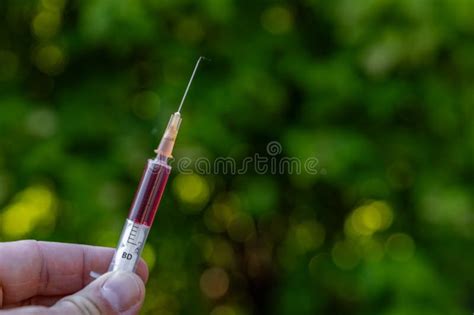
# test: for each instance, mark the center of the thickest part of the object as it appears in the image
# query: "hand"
(53, 278)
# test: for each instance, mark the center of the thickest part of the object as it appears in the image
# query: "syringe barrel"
(141, 216)
(150, 190)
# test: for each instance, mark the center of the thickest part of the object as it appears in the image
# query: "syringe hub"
(169, 137)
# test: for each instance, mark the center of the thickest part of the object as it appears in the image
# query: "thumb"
(113, 293)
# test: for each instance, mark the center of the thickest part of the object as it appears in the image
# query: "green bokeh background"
(381, 92)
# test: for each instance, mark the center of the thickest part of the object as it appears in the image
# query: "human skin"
(53, 278)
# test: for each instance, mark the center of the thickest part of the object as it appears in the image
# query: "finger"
(37, 300)
(30, 268)
(112, 293)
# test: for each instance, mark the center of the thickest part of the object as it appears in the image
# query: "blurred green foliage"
(380, 91)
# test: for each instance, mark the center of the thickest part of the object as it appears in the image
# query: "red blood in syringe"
(150, 190)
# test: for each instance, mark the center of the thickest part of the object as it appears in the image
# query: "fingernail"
(122, 290)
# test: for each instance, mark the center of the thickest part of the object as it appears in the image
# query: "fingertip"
(123, 290)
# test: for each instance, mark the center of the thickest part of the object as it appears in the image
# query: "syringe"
(148, 196)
